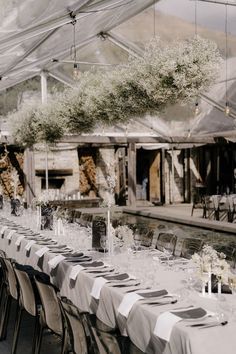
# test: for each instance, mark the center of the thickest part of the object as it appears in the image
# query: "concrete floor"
(181, 213)
(50, 343)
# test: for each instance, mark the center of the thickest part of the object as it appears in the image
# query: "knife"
(159, 303)
(214, 324)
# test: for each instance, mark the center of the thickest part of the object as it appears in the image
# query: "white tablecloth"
(142, 318)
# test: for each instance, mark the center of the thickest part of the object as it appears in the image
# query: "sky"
(209, 15)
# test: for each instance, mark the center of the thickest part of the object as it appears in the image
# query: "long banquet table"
(141, 321)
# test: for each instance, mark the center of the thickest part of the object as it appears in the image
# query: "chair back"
(11, 278)
(147, 238)
(51, 307)
(78, 338)
(103, 342)
(191, 246)
(26, 292)
(166, 240)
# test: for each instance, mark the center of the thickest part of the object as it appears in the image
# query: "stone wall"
(63, 159)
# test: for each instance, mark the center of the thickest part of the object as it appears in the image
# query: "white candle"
(209, 284)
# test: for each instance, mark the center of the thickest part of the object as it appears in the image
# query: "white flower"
(211, 261)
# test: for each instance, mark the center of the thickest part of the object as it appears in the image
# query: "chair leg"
(36, 334)
(6, 305)
(64, 344)
(192, 210)
(16, 330)
(38, 339)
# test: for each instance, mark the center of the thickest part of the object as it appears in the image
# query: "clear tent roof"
(32, 33)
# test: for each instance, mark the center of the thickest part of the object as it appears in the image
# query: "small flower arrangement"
(62, 213)
(123, 232)
(41, 200)
(212, 262)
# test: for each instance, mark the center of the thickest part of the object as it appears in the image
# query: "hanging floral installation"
(165, 75)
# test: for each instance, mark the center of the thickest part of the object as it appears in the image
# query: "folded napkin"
(10, 234)
(97, 286)
(55, 261)
(117, 277)
(127, 303)
(18, 241)
(29, 245)
(75, 271)
(153, 293)
(77, 259)
(191, 313)
(78, 254)
(42, 251)
(3, 229)
(168, 319)
(94, 264)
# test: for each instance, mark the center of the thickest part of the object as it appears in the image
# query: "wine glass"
(204, 279)
(232, 286)
(137, 241)
(104, 244)
(191, 278)
(168, 253)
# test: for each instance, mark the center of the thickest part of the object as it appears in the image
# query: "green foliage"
(163, 76)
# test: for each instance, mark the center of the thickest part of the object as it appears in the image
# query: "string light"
(197, 109)
(76, 71)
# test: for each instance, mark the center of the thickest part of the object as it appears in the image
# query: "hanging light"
(76, 71)
(197, 109)
(227, 107)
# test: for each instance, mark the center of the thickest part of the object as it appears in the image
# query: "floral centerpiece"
(44, 211)
(41, 200)
(210, 262)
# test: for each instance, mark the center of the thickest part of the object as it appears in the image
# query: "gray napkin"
(155, 293)
(93, 264)
(122, 276)
(191, 313)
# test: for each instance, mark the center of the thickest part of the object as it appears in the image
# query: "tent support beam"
(61, 78)
(218, 106)
(48, 58)
(35, 46)
(218, 2)
(125, 45)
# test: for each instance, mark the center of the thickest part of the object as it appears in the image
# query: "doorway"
(148, 175)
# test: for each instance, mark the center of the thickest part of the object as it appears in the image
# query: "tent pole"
(44, 93)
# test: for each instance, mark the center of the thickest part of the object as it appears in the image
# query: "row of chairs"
(80, 333)
(186, 247)
(179, 247)
(216, 207)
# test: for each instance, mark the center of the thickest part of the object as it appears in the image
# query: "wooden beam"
(116, 140)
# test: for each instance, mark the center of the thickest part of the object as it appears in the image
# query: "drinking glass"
(104, 243)
(168, 253)
(137, 241)
(232, 286)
